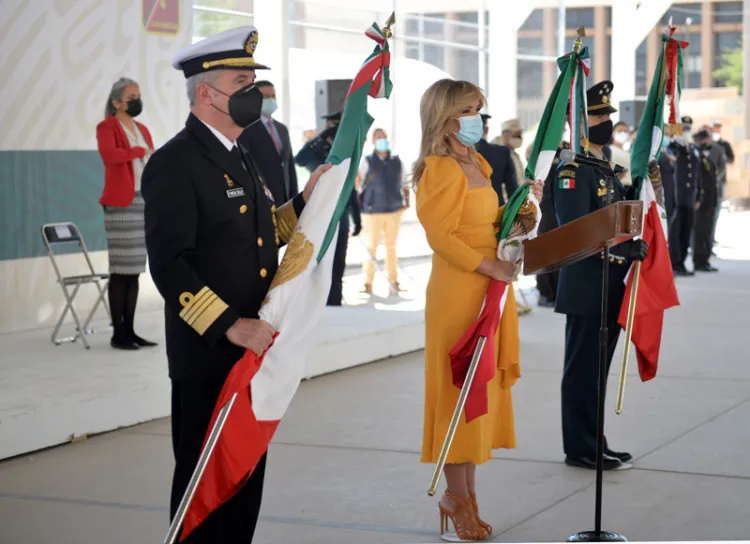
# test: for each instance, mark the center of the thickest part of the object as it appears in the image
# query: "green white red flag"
(656, 287)
(263, 387)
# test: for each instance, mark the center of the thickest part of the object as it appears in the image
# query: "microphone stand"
(597, 535)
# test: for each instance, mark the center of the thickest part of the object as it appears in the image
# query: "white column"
(482, 42)
(624, 14)
(272, 21)
(503, 50)
(746, 71)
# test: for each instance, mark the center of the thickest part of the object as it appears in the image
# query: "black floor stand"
(597, 535)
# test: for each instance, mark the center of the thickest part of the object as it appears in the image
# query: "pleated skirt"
(126, 237)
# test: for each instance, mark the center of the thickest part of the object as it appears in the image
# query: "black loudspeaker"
(631, 111)
(329, 98)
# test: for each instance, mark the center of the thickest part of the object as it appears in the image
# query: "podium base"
(593, 536)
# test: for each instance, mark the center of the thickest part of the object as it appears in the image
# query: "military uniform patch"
(567, 183)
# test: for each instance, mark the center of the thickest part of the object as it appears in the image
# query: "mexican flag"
(568, 100)
(656, 289)
(260, 389)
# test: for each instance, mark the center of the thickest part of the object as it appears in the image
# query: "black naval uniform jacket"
(212, 238)
(578, 190)
(687, 174)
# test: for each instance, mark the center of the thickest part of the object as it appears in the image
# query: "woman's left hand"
(537, 187)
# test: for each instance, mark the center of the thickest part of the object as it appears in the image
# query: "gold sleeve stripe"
(201, 310)
(286, 221)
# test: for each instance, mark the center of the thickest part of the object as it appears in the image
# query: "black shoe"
(682, 271)
(623, 456)
(706, 268)
(127, 345)
(589, 462)
(545, 302)
(142, 342)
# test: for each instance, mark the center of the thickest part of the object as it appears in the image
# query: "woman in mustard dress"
(458, 209)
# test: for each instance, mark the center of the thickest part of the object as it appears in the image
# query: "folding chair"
(57, 235)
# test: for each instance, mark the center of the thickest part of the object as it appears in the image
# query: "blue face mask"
(269, 106)
(471, 129)
(665, 141)
(381, 144)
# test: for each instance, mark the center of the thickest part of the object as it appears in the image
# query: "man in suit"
(212, 235)
(577, 190)
(708, 197)
(272, 148)
(504, 179)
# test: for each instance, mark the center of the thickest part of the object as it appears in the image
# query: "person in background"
(667, 166)
(687, 180)
(512, 138)
(383, 199)
(271, 148)
(458, 209)
(728, 159)
(504, 177)
(312, 155)
(707, 198)
(124, 146)
(620, 150)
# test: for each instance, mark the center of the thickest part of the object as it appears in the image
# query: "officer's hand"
(537, 188)
(638, 250)
(251, 334)
(313, 181)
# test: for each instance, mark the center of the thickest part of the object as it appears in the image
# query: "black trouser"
(679, 235)
(580, 381)
(234, 522)
(703, 235)
(336, 293)
(123, 296)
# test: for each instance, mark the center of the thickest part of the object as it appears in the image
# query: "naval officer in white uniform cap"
(212, 234)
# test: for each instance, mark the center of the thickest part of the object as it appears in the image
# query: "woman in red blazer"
(124, 146)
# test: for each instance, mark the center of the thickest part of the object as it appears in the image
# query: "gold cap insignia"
(605, 99)
(251, 43)
(230, 183)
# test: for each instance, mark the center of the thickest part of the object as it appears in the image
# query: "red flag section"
(242, 443)
(462, 352)
(656, 293)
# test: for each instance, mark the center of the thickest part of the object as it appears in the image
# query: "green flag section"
(568, 98)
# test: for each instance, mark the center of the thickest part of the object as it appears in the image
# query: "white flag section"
(297, 300)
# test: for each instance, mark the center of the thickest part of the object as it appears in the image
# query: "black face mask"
(135, 107)
(244, 105)
(601, 134)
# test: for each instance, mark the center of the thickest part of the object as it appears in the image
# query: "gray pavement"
(344, 466)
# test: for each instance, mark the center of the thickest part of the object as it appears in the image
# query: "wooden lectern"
(584, 237)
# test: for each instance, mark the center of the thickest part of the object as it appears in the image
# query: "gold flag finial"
(579, 40)
(388, 24)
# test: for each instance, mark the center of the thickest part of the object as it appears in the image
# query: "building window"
(727, 12)
(641, 66)
(530, 80)
(530, 46)
(214, 16)
(693, 63)
(578, 17)
(681, 13)
(535, 21)
(724, 43)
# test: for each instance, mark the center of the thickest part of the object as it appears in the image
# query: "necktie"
(274, 135)
(237, 152)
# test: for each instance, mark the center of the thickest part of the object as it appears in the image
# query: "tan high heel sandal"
(486, 526)
(463, 517)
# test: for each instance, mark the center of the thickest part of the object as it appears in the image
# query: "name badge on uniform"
(234, 193)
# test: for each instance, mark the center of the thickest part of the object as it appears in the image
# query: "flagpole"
(200, 468)
(456, 415)
(628, 336)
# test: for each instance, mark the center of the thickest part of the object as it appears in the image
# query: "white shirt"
(226, 142)
(137, 140)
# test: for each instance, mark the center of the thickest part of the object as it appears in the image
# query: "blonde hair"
(444, 100)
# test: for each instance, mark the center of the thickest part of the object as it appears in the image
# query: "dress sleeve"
(440, 198)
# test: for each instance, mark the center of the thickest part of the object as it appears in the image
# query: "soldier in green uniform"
(212, 235)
